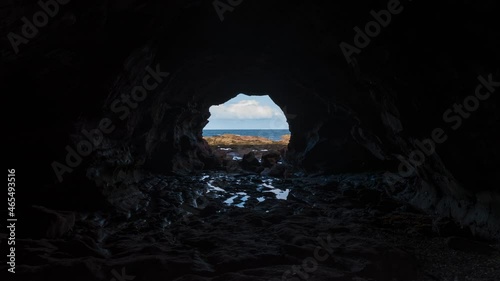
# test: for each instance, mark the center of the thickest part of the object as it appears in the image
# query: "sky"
(247, 112)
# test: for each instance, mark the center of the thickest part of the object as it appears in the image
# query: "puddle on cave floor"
(240, 191)
(256, 222)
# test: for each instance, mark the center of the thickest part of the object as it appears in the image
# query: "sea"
(274, 135)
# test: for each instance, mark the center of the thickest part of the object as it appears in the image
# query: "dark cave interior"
(390, 170)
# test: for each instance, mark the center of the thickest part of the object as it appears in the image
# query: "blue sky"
(247, 112)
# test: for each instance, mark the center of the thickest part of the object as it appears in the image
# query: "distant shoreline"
(234, 147)
(271, 134)
(233, 139)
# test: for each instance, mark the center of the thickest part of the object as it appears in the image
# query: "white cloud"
(244, 109)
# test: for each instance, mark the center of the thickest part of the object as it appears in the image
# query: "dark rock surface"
(237, 227)
(414, 82)
(463, 244)
(51, 224)
(270, 158)
(365, 115)
(250, 162)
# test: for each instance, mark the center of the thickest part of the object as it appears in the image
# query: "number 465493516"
(11, 188)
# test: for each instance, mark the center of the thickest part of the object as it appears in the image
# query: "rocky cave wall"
(343, 117)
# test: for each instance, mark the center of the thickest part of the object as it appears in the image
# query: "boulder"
(250, 162)
(270, 158)
(278, 171)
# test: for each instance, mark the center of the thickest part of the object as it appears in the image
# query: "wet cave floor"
(219, 226)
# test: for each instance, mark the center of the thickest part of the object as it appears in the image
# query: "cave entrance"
(247, 123)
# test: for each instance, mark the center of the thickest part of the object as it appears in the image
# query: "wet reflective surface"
(243, 190)
(219, 226)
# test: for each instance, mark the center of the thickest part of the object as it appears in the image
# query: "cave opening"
(251, 130)
(117, 95)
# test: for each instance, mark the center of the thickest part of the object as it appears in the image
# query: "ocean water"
(274, 135)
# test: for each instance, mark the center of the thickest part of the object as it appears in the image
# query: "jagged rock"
(277, 170)
(230, 139)
(52, 224)
(231, 165)
(250, 162)
(135, 80)
(270, 158)
(371, 112)
(124, 197)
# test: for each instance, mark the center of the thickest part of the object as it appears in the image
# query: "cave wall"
(344, 117)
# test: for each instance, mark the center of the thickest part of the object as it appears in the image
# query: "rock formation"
(107, 93)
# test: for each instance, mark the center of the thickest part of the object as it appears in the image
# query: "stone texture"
(259, 239)
(344, 119)
(51, 224)
(250, 162)
(270, 158)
